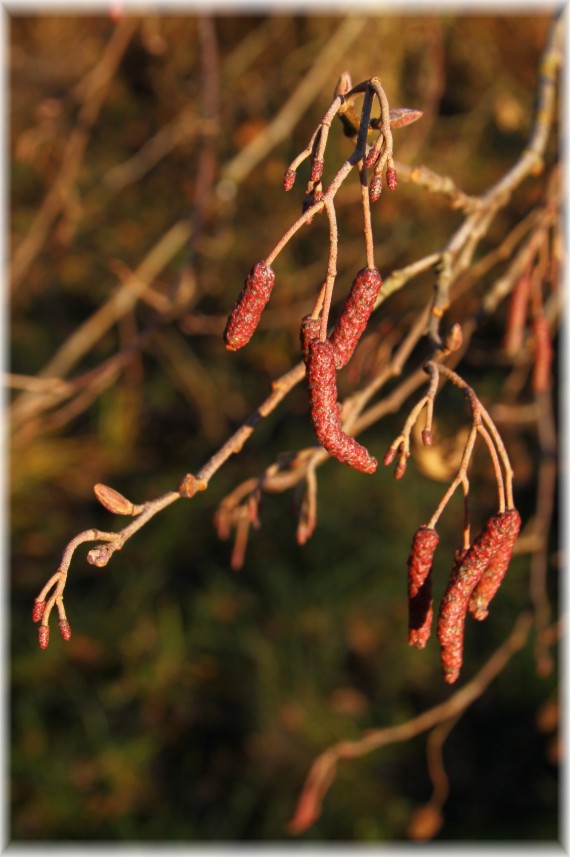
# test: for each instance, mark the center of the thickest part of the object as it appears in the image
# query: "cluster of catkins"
(322, 357)
(477, 573)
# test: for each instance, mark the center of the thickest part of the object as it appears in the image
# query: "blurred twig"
(57, 197)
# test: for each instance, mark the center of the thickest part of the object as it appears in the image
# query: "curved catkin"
(355, 314)
(467, 571)
(420, 601)
(321, 380)
(247, 310)
(508, 526)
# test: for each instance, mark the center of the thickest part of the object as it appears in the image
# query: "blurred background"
(192, 699)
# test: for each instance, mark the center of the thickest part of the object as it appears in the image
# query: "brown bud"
(427, 438)
(190, 485)
(43, 636)
(391, 178)
(99, 556)
(289, 179)
(38, 610)
(112, 500)
(375, 188)
(64, 629)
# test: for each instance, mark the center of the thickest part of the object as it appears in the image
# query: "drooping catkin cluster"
(322, 361)
(479, 567)
(475, 577)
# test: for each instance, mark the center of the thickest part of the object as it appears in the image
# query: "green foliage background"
(191, 699)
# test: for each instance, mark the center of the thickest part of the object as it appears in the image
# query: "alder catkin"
(249, 306)
(508, 526)
(43, 636)
(65, 629)
(420, 602)
(321, 380)
(375, 188)
(467, 571)
(355, 314)
(391, 178)
(38, 610)
(289, 179)
(317, 169)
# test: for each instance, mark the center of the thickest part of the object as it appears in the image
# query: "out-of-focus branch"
(56, 199)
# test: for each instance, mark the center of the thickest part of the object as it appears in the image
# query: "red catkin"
(317, 169)
(43, 636)
(375, 188)
(420, 601)
(372, 157)
(249, 306)
(64, 628)
(391, 178)
(38, 610)
(466, 574)
(321, 379)
(508, 526)
(289, 177)
(355, 314)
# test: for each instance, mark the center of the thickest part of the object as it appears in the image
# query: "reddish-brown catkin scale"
(542, 374)
(43, 636)
(247, 310)
(38, 610)
(289, 179)
(375, 188)
(321, 379)
(420, 602)
(355, 314)
(464, 577)
(508, 525)
(391, 178)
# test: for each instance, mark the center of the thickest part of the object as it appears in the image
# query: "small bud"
(389, 456)
(427, 438)
(289, 179)
(43, 636)
(112, 500)
(317, 169)
(391, 178)
(375, 188)
(64, 629)
(99, 556)
(190, 485)
(38, 610)
(454, 338)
